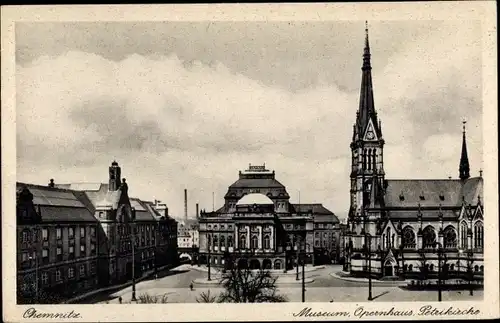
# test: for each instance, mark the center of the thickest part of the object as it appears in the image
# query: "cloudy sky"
(187, 105)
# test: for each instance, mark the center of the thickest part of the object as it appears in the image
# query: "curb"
(365, 280)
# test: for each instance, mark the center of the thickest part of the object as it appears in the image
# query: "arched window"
(389, 242)
(215, 241)
(481, 268)
(222, 241)
(476, 268)
(254, 243)
(369, 159)
(243, 242)
(431, 268)
(463, 235)
(209, 240)
(409, 238)
(450, 237)
(267, 244)
(429, 237)
(229, 241)
(478, 235)
(374, 158)
(410, 268)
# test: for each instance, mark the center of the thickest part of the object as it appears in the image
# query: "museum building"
(258, 227)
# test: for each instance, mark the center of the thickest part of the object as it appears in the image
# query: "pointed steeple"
(464, 159)
(366, 104)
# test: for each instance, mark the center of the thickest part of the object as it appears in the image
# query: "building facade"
(258, 227)
(404, 227)
(78, 237)
(56, 246)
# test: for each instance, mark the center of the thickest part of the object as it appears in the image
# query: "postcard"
(311, 161)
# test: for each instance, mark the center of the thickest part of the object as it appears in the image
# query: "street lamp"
(297, 262)
(308, 246)
(369, 256)
(470, 273)
(439, 251)
(133, 255)
(35, 257)
(460, 251)
(208, 259)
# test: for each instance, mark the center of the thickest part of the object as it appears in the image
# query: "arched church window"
(215, 241)
(463, 235)
(478, 235)
(267, 244)
(374, 158)
(229, 241)
(222, 241)
(429, 237)
(389, 242)
(254, 242)
(450, 237)
(409, 238)
(243, 242)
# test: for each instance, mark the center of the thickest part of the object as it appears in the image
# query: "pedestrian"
(191, 286)
(120, 299)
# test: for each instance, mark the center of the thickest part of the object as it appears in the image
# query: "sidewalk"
(146, 275)
(366, 280)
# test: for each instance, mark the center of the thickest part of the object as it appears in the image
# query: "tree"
(243, 285)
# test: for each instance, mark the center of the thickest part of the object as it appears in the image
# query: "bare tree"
(207, 298)
(152, 299)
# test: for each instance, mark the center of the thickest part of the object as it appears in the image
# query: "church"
(406, 227)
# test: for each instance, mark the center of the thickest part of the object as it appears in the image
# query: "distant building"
(257, 221)
(77, 237)
(398, 227)
(188, 241)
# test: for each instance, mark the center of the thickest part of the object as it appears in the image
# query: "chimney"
(51, 184)
(197, 211)
(185, 204)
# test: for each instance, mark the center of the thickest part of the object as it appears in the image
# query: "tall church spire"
(366, 103)
(464, 159)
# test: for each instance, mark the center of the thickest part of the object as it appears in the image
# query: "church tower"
(114, 176)
(464, 169)
(367, 166)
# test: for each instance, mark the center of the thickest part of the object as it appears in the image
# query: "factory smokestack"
(197, 211)
(185, 204)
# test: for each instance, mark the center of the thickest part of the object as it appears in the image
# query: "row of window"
(429, 237)
(431, 267)
(25, 256)
(254, 241)
(33, 236)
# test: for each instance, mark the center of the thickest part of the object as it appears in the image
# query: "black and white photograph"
(225, 161)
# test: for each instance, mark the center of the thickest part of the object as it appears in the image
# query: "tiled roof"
(434, 192)
(59, 205)
(66, 214)
(141, 212)
(256, 183)
(472, 188)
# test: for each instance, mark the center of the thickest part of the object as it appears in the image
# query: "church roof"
(255, 198)
(431, 192)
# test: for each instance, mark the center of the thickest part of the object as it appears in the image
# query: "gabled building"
(57, 244)
(398, 227)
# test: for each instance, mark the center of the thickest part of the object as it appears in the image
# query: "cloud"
(173, 123)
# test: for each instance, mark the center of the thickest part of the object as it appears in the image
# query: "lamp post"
(308, 246)
(470, 273)
(439, 251)
(133, 257)
(460, 251)
(369, 255)
(209, 256)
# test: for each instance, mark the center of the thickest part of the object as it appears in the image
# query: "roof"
(99, 194)
(256, 183)
(315, 208)
(83, 186)
(472, 190)
(142, 213)
(255, 198)
(59, 205)
(427, 192)
(406, 214)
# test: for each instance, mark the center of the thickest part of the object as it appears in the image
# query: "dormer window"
(441, 197)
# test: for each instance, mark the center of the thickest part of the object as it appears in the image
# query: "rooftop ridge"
(46, 187)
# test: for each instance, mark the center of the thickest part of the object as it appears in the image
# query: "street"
(325, 288)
